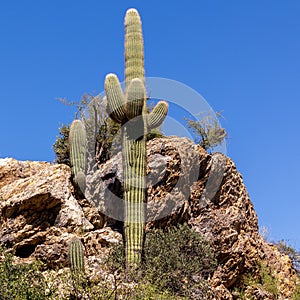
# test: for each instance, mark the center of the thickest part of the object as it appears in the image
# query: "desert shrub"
(268, 281)
(108, 286)
(262, 281)
(61, 147)
(293, 254)
(296, 294)
(22, 281)
(177, 260)
(104, 139)
(208, 131)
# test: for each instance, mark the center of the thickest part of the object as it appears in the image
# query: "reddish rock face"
(40, 214)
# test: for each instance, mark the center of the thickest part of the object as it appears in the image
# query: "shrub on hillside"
(21, 281)
(208, 131)
(293, 254)
(178, 260)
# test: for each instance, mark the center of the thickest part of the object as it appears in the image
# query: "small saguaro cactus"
(76, 256)
(77, 146)
(130, 110)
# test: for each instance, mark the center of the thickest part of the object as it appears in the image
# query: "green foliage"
(207, 130)
(293, 254)
(61, 146)
(296, 294)
(21, 281)
(264, 281)
(177, 260)
(118, 288)
(268, 281)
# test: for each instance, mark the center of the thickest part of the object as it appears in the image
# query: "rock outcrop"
(40, 214)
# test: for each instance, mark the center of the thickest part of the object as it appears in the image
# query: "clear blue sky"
(242, 56)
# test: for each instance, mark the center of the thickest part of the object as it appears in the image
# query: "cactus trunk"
(134, 167)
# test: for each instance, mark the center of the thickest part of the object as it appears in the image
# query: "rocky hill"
(41, 214)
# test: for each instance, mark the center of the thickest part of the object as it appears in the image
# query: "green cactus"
(76, 256)
(134, 47)
(130, 111)
(77, 146)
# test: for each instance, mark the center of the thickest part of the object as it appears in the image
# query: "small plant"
(293, 254)
(179, 260)
(207, 130)
(263, 281)
(61, 146)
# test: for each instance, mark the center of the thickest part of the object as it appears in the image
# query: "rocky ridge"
(40, 213)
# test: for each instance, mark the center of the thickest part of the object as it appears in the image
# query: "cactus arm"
(134, 47)
(158, 114)
(77, 145)
(115, 98)
(135, 98)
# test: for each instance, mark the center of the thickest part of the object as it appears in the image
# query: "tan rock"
(40, 215)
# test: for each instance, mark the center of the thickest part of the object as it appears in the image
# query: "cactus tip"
(110, 75)
(132, 11)
(132, 15)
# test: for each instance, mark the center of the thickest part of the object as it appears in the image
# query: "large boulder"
(39, 213)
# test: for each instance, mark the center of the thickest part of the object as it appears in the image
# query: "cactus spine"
(130, 111)
(77, 145)
(76, 256)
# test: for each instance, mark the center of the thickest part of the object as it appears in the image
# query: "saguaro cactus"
(130, 111)
(76, 256)
(77, 146)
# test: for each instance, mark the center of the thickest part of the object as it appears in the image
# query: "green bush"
(296, 295)
(293, 254)
(177, 260)
(61, 147)
(263, 280)
(21, 281)
(208, 131)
